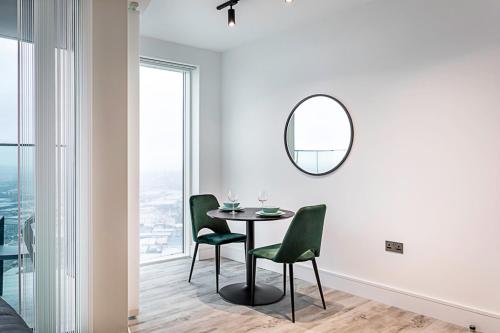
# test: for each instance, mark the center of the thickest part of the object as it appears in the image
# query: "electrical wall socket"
(394, 247)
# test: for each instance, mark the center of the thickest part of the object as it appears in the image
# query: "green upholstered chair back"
(304, 234)
(199, 205)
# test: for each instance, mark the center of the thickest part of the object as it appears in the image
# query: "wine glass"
(233, 197)
(263, 197)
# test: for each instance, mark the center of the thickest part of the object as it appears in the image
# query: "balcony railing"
(313, 158)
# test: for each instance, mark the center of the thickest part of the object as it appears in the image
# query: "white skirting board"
(486, 322)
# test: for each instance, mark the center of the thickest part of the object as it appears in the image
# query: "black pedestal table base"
(239, 293)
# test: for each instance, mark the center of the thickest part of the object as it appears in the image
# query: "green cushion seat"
(270, 252)
(219, 239)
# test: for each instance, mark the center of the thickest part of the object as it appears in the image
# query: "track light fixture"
(231, 14)
(231, 17)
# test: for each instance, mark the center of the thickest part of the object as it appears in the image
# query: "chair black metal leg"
(218, 258)
(284, 279)
(246, 250)
(1, 277)
(319, 283)
(194, 258)
(292, 292)
(254, 278)
(217, 268)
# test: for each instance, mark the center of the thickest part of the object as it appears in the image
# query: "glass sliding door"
(164, 104)
(44, 162)
(9, 235)
(16, 159)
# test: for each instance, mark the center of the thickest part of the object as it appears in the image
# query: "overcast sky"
(161, 120)
(8, 90)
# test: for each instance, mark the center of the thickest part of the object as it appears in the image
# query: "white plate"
(278, 213)
(225, 209)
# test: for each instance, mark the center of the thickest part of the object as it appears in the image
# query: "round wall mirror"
(319, 135)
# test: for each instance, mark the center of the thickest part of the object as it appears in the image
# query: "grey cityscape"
(161, 215)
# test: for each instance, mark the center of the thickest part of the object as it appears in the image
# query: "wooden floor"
(170, 304)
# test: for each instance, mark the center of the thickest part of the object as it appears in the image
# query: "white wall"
(421, 81)
(109, 167)
(133, 162)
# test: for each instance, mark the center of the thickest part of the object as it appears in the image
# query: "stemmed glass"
(233, 197)
(263, 197)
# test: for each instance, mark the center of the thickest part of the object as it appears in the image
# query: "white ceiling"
(198, 23)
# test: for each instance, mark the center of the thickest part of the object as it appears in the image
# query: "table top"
(248, 214)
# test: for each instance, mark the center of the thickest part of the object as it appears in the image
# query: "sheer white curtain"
(54, 159)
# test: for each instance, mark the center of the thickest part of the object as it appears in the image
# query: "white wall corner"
(133, 162)
(109, 179)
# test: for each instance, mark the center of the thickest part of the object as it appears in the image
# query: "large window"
(164, 96)
(9, 287)
(16, 195)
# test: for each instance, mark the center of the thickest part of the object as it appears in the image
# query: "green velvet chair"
(302, 242)
(199, 206)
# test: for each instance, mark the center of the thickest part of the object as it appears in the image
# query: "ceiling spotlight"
(231, 14)
(231, 17)
(288, 1)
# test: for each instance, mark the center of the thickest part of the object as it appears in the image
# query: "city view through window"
(8, 138)
(161, 163)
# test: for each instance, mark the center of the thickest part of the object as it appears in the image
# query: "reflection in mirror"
(319, 135)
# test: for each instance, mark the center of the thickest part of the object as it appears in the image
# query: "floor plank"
(170, 304)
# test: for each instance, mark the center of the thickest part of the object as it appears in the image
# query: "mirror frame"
(350, 142)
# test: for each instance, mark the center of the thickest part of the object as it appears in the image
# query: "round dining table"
(239, 293)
